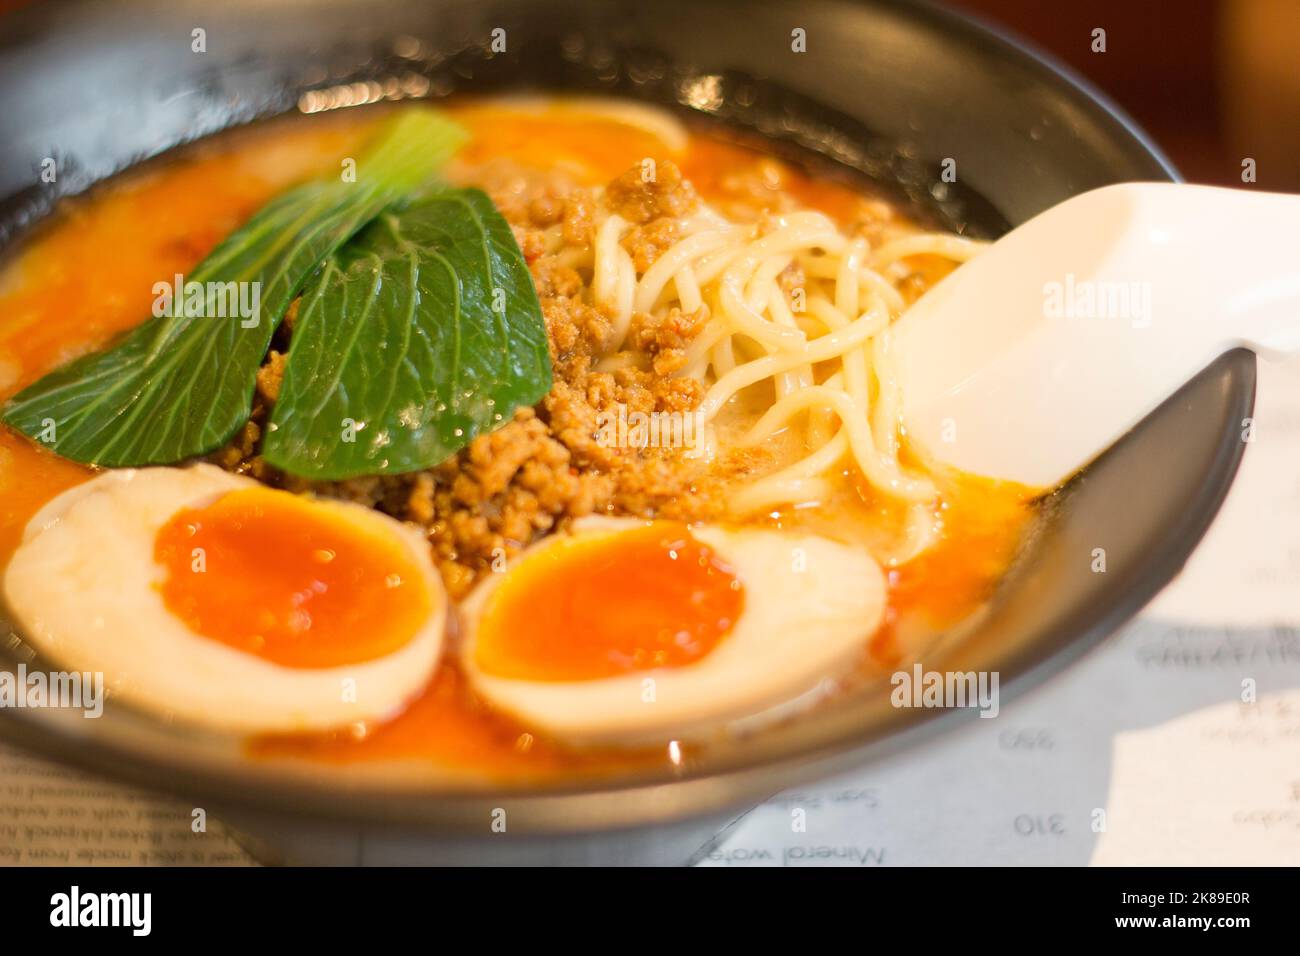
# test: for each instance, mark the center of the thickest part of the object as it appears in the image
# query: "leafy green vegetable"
(421, 333)
(181, 384)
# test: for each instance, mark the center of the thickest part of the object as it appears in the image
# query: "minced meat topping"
(549, 464)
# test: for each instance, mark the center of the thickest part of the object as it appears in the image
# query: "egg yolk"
(600, 606)
(287, 580)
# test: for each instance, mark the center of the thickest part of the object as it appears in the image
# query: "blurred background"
(1214, 81)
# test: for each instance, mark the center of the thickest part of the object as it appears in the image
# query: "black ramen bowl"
(885, 91)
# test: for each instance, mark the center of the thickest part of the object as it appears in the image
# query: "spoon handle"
(1248, 270)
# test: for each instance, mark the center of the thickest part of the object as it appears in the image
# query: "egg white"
(809, 606)
(83, 588)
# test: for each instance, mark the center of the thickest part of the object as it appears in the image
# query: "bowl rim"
(1010, 44)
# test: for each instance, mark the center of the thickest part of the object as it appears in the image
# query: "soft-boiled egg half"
(210, 598)
(625, 631)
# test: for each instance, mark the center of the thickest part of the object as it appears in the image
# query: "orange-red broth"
(89, 275)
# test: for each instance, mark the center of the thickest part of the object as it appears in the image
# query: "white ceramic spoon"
(1029, 361)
